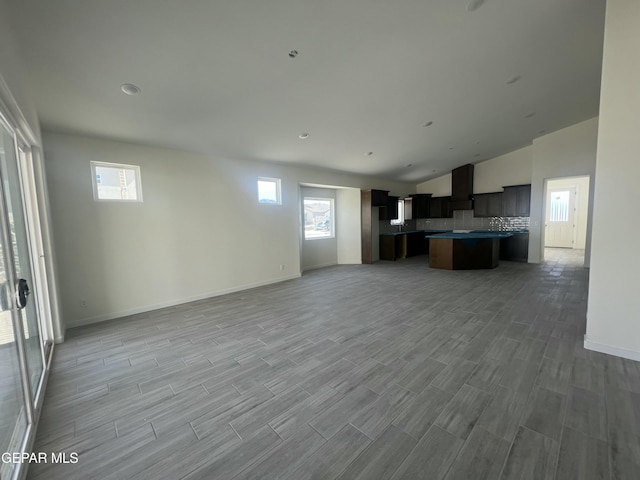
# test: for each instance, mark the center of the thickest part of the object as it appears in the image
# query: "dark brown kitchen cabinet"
(487, 204)
(420, 205)
(390, 210)
(440, 207)
(402, 245)
(462, 183)
(515, 248)
(516, 201)
(416, 244)
(379, 198)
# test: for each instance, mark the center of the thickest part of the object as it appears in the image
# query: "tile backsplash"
(462, 220)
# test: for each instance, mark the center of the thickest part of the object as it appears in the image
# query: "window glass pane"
(269, 190)
(559, 208)
(116, 182)
(400, 219)
(318, 218)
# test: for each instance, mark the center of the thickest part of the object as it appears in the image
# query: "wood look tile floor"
(384, 371)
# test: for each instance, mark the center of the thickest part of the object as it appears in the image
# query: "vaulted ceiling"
(403, 89)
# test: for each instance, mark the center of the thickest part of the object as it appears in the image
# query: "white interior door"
(560, 217)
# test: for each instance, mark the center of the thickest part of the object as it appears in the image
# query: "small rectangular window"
(116, 182)
(318, 218)
(269, 191)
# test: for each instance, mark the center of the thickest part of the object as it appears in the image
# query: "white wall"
(438, 187)
(581, 184)
(567, 152)
(514, 168)
(13, 80)
(348, 226)
(613, 318)
(320, 252)
(200, 231)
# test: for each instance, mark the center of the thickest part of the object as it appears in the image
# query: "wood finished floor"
(385, 371)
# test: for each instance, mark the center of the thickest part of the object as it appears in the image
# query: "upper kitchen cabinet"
(516, 201)
(379, 198)
(420, 205)
(440, 207)
(390, 210)
(487, 205)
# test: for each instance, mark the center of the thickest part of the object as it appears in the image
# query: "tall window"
(269, 191)
(116, 182)
(400, 219)
(318, 218)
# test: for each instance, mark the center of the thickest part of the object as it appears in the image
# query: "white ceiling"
(216, 76)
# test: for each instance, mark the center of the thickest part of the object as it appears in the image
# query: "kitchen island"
(465, 251)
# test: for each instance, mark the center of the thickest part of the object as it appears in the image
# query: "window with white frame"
(116, 182)
(400, 219)
(318, 218)
(269, 191)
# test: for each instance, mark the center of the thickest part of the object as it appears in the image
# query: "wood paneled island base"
(464, 253)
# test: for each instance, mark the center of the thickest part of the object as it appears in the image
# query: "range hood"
(462, 188)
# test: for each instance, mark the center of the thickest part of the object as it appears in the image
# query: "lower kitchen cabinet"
(515, 248)
(402, 245)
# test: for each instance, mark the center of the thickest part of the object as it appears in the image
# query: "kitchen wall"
(464, 220)
(438, 187)
(613, 315)
(514, 168)
(199, 232)
(491, 175)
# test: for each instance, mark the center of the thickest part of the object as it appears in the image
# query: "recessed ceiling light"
(513, 80)
(474, 5)
(303, 136)
(293, 53)
(530, 114)
(130, 89)
(427, 124)
(369, 154)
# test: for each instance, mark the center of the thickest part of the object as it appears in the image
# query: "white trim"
(611, 350)
(116, 166)
(180, 301)
(278, 184)
(323, 265)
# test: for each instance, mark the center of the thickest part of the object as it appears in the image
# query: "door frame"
(589, 212)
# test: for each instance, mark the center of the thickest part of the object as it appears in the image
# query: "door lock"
(22, 293)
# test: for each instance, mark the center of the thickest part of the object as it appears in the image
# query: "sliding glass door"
(25, 285)
(22, 350)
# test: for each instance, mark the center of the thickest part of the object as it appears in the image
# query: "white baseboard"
(611, 350)
(173, 303)
(315, 267)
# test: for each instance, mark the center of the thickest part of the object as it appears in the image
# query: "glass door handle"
(22, 293)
